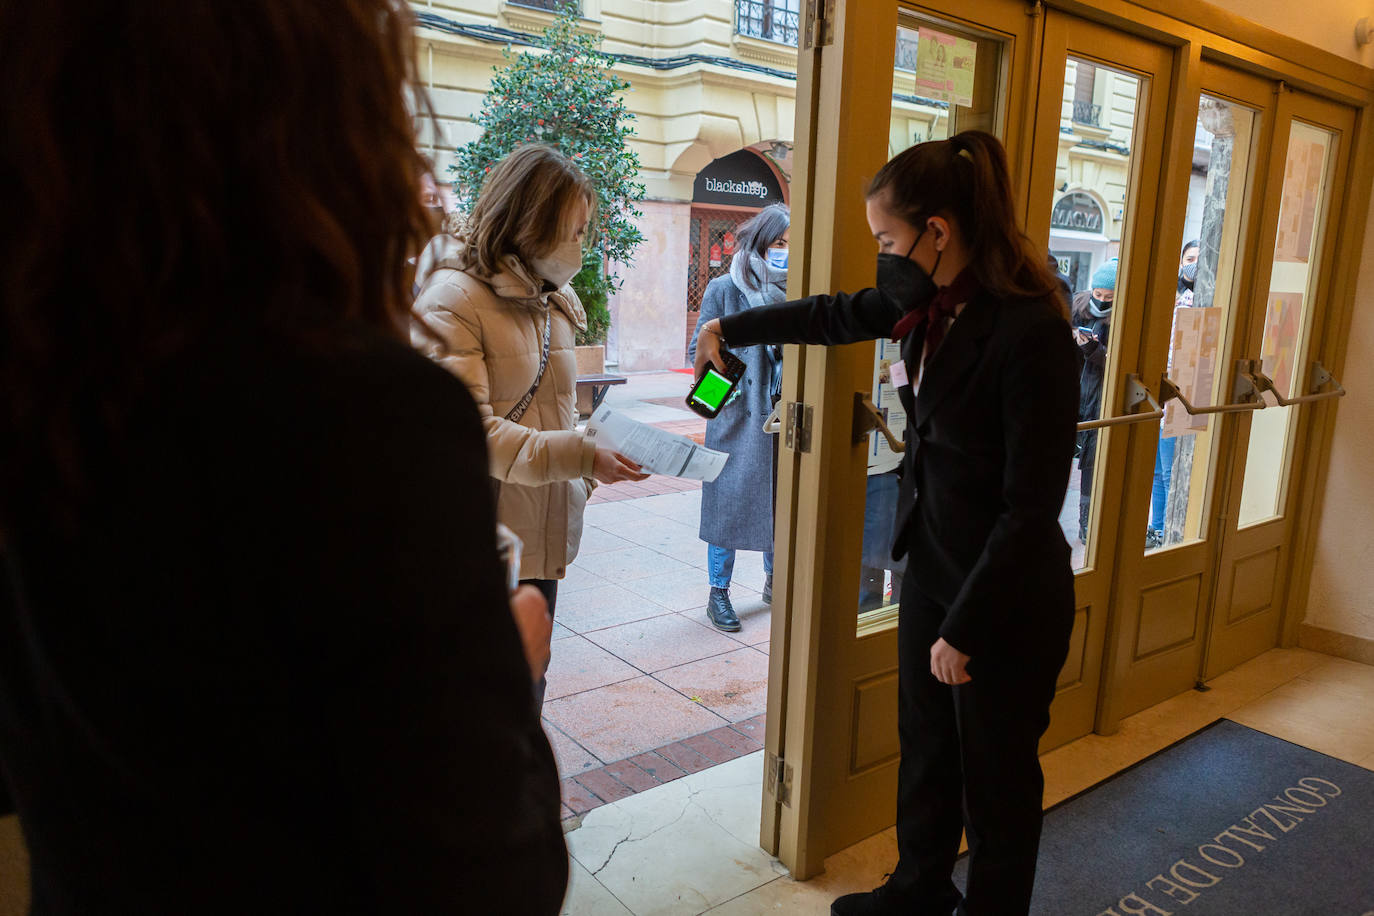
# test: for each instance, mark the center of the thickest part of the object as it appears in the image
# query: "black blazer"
(274, 670)
(990, 440)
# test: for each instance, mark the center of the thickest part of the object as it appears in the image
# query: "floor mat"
(1227, 821)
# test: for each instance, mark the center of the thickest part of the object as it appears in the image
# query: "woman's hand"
(709, 344)
(532, 619)
(947, 663)
(612, 467)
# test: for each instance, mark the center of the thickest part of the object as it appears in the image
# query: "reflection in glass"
(1207, 285)
(1097, 127)
(1293, 283)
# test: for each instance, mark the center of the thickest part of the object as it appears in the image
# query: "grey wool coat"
(737, 507)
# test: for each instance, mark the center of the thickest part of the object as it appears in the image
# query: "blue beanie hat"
(1105, 276)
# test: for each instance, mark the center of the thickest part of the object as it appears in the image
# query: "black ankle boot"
(768, 589)
(721, 612)
(881, 901)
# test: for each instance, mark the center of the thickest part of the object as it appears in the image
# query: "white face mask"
(560, 265)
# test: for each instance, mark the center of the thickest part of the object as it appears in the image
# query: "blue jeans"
(1164, 472)
(720, 564)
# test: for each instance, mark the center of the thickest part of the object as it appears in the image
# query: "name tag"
(898, 372)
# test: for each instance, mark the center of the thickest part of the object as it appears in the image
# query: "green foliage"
(564, 94)
(594, 289)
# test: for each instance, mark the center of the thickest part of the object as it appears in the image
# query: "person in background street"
(433, 201)
(256, 644)
(1156, 536)
(987, 601)
(1092, 320)
(737, 507)
(497, 311)
(1064, 285)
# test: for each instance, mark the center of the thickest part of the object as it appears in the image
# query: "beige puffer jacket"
(490, 334)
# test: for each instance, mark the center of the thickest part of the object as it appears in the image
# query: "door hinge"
(797, 429)
(779, 780)
(820, 24)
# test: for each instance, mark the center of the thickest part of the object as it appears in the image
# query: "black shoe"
(768, 589)
(721, 612)
(881, 901)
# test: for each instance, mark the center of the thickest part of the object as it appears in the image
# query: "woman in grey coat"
(737, 507)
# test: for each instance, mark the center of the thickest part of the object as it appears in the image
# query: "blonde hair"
(524, 207)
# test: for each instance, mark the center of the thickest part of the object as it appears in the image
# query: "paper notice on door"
(653, 449)
(945, 67)
(1193, 365)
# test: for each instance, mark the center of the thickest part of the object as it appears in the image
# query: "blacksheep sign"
(1228, 851)
(741, 179)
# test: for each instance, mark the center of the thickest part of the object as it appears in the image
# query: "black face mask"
(1187, 276)
(905, 282)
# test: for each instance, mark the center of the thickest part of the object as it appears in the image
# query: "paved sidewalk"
(642, 688)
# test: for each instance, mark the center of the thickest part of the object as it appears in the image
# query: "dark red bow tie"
(931, 319)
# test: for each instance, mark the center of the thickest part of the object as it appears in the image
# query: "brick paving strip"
(614, 781)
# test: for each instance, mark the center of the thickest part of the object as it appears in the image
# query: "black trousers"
(549, 589)
(970, 763)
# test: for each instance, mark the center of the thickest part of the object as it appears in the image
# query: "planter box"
(591, 360)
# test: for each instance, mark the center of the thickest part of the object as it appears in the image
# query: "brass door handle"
(867, 417)
(1136, 394)
(1319, 378)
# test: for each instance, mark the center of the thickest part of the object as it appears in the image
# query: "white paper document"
(653, 449)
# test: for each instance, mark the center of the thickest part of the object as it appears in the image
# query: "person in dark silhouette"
(256, 644)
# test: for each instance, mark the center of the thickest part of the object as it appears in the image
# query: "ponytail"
(966, 178)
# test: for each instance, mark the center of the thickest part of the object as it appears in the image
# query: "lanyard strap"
(524, 403)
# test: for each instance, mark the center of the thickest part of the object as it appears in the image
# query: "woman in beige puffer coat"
(487, 296)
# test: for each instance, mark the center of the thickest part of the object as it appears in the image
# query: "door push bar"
(1245, 394)
(1318, 376)
(1136, 395)
(867, 417)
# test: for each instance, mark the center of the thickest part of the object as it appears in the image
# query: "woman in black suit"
(987, 606)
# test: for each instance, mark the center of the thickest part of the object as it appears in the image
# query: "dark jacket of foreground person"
(274, 670)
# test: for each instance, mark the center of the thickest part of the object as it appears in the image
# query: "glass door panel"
(1099, 127)
(1208, 285)
(1292, 287)
(944, 79)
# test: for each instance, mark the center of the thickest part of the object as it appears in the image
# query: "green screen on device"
(711, 391)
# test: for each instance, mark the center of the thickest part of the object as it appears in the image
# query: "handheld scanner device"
(713, 389)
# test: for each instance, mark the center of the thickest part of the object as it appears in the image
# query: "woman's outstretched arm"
(827, 320)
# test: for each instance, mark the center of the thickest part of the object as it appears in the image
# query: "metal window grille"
(906, 49)
(1087, 113)
(772, 20)
(550, 5)
(707, 231)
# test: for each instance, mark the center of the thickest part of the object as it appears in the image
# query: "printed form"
(653, 449)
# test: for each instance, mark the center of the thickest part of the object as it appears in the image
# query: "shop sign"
(1077, 212)
(715, 255)
(741, 179)
(729, 241)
